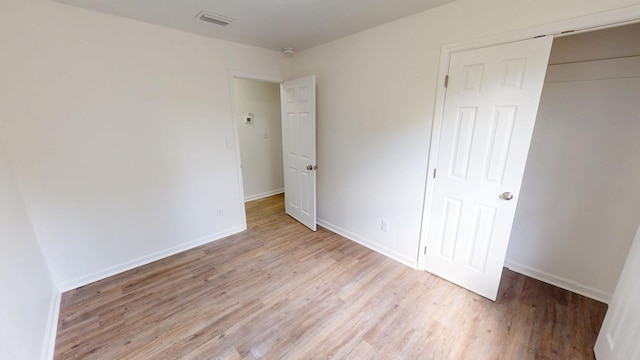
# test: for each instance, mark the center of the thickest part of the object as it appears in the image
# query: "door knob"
(309, 167)
(506, 196)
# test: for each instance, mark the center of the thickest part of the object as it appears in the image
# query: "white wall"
(118, 132)
(376, 92)
(26, 288)
(260, 140)
(579, 204)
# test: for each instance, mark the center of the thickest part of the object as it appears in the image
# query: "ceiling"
(271, 24)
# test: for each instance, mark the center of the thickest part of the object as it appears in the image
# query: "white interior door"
(489, 113)
(620, 332)
(298, 99)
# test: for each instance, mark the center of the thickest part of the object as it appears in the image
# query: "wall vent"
(215, 18)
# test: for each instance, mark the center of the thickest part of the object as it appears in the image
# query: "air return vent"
(215, 18)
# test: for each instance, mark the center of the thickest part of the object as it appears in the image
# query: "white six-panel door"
(489, 113)
(298, 99)
(620, 333)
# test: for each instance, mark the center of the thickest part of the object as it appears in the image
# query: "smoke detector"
(215, 18)
(288, 51)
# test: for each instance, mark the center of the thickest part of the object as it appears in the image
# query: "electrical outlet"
(220, 212)
(384, 226)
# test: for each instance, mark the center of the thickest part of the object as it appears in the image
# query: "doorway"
(614, 213)
(258, 120)
(579, 205)
(274, 126)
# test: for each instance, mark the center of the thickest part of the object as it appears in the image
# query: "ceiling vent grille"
(215, 18)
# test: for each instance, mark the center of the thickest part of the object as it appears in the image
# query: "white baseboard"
(128, 265)
(263, 195)
(49, 345)
(401, 258)
(560, 282)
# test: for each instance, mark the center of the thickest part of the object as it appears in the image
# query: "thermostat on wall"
(248, 119)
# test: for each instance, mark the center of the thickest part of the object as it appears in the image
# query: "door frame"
(233, 75)
(613, 18)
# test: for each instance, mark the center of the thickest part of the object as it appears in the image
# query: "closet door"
(487, 124)
(618, 338)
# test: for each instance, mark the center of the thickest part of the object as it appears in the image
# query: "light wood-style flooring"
(279, 291)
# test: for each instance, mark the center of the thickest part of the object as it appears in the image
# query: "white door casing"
(298, 99)
(620, 331)
(487, 123)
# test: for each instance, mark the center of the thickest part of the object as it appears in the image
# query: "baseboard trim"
(128, 265)
(263, 195)
(49, 345)
(403, 259)
(560, 282)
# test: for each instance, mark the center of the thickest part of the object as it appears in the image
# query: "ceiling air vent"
(215, 18)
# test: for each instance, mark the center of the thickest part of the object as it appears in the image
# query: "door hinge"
(425, 251)
(446, 81)
(434, 173)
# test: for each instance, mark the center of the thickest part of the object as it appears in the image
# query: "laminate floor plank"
(280, 291)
